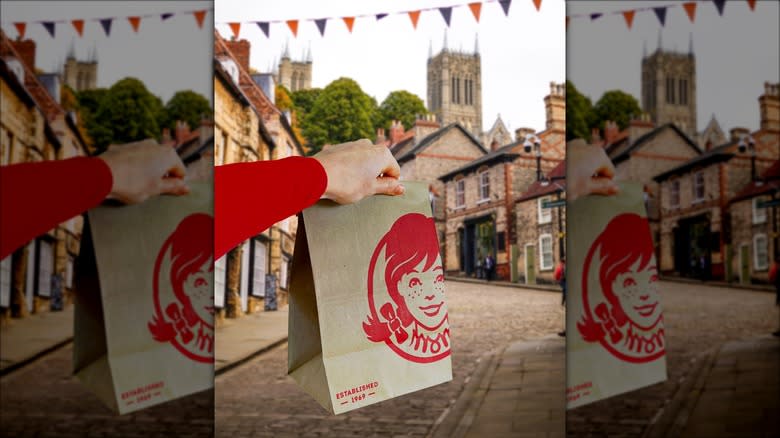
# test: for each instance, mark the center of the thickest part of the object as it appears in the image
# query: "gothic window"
(670, 90)
(453, 88)
(294, 82)
(300, 82)
(683, 92)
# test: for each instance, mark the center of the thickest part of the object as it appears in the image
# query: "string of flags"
(660, 11)
(106, 23)
(349, 21)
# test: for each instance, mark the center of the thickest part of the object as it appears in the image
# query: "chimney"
(240, 51)
(396, 131)
(555, 107)
(182, 131)
(737, 133)
(425, 126)
(521, 133)
(639, 127)
(380, 136)
(611, 132)
(26, 50)
(494, 145)
(769, 106)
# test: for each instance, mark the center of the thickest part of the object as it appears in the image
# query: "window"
(484, 186)
(259, 257)
(670, 90)
(683, 92)
(545, 252)
(545, 214)
(674, 194)
(501, 241)
(283, 272)
(759, 214)
(452, 91)
(760, 252)
(698, 186)
(5, 282)
(460, 193)
(45, 267)
(220, 282)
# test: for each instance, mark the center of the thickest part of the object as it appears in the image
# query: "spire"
(660, 42)
(286, 53)
(444, 46)
(308, 54)
(72, 50)
(644, 49)
(690, 44)
(476, 44)
(430, 49)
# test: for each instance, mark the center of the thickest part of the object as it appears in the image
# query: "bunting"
(414, 16)
(199, 16)
(752, 4)
(165, 16)
(505, 6)
(106, 24)
(349, 21)
(20, 28)
(538, 4)
(690, 9)
(380, 16)
(719, 4)
(135, 22)
(265, 27)
(476, 8)
(320, 25)
(49, 26)
(293, 25)
(236, 28)
(629, 16)
(79, 26)
(446, 13)
(661, 14)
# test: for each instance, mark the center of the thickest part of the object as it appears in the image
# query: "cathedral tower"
(455, 88)
(295, 75)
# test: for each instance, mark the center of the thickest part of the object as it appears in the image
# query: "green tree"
(342, 112)
(187, 106)
(282, 98)
(303, 100)
(617, 106)
(400, 105)
(579, 113)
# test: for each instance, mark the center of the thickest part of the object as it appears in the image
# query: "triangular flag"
(321, 23)
(79, 26)
(20, 27)
(349, 21)
(690, 9)
(199, 16)
(446, 13)
(106, 23)
(661, 14)
(629, 16)
(414, 16)
(166, 16)
(538, 4)
(263, 25)
(505, 6)
(293, 25)
(135, 22)
(752, 4)
(236, 28)
(476, 8)
(49, 25)
(380, 16)
(595, 16)
(720, 4)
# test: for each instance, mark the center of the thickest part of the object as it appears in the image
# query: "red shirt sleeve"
(35, 197)
(250, 197)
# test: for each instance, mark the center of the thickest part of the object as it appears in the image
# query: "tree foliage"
(400, 105)
(617, 106)
(579, 113)
(303, 100)
(187, 106)
(282, 98)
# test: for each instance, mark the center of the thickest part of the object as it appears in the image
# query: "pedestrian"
(775, 279)
(703, 267)
(560, 277)
(490, 266)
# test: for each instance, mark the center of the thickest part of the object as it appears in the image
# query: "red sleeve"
(35, 197)
(250, 197)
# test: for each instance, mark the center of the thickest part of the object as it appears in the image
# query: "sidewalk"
(238, 340)
(26, 339)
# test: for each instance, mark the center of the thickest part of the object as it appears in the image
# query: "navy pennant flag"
(106, 23)
(595, 16)
(321, 25)
(380, 16)
(720, 4)
(166, 16)
(263, 25)
(446, 13)
(49, 25)
(661, 14)
(505, 6)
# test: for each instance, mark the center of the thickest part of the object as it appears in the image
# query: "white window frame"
(244, 285)
(460, 193)
(674, 194)
(542, 265)
(697, 184)
(259, 267)
(759, 214)
(757, 265)
(220, 281)
(484, 186)
(544, 215)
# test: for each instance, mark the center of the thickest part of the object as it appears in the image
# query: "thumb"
(388, 186)
(603, 186)
(174, 186)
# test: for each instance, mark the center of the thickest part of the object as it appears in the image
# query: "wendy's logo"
(406, 292)
(183, 290)
(621, 303)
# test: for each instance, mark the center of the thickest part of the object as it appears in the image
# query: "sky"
(167, 56)
(521, 54)
(735, 53)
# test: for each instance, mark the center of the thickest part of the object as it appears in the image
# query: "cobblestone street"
(698, 319)
(44, 400)
(259, 400)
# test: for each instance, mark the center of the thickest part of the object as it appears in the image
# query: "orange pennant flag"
(629, 16)
(349, 21)
(199, 16)
(236, 28)
(20, 27)
(293, 25)
(414, 16)
(538, 4)
(135, 22)
(690, 9)
(752, 4)
(79, 26)
(476, 8)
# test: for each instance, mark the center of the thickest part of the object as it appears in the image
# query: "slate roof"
(502, 154)
(557, 184)
(431, 138)
(621, 150)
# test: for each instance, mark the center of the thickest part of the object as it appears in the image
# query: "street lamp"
(532, 142)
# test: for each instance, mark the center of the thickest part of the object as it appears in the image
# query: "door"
(469, 255)
(244, 286)
(530, 265)
(744, 264)
(259, 263)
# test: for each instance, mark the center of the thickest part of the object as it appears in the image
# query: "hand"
(358, 169)
(143, 169)
(589, 171)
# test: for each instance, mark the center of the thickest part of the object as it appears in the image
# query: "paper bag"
(367, 317)
(615, 331)
(144, 316)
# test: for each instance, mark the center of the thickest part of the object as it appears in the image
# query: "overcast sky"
(521, 53)
(167, 56)
(735, 53)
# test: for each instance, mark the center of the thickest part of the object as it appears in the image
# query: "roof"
(558, 177)
(15, 85)
(431, 138)
(621, 150)
(769, 183)
(191, 156)
(502, 154)
(715, 155)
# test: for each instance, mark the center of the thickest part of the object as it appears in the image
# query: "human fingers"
(175, 167)
(602, 186)
(390, 167)
(388, 186)
(173, 186)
